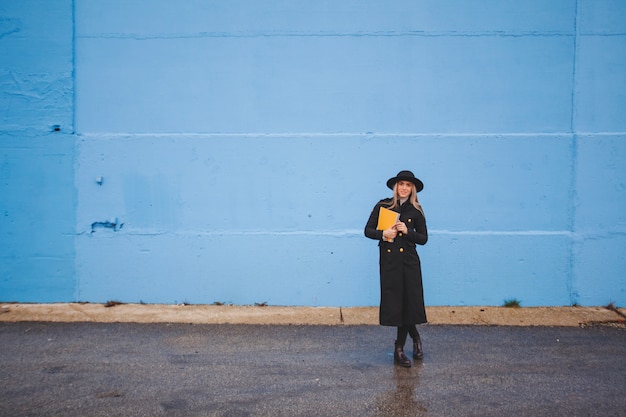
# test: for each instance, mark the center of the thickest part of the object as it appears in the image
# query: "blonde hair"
(412, 199)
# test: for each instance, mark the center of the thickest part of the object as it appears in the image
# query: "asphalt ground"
(177, 369)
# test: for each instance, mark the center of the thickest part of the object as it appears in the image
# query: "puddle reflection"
(401, 401)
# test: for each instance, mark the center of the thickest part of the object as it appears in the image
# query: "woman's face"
(404, 189)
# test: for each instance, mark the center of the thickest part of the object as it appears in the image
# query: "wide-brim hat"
(406, 176)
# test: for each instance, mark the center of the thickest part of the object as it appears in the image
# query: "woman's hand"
(390, 234)
(401, 227)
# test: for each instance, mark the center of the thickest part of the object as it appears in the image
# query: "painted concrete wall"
(37, 146)
(232, 151)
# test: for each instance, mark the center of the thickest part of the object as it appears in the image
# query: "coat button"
(388, 250)
(409, 220)
(401, 249)
(399, 234)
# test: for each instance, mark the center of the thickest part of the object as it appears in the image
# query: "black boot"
(417, 348)
(399, 358)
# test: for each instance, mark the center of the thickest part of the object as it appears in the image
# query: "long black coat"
(401, 291)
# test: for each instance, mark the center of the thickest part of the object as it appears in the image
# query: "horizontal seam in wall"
(115, 135)
(333, 233)
(602, 34)
(289, 34)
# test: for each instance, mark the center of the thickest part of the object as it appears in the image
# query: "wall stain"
(115, 225)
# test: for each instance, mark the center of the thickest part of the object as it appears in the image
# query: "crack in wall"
(9, 27)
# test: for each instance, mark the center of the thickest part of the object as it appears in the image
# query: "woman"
(401, 292)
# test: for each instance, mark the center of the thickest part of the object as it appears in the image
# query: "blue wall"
(37, 148)
(232, 151)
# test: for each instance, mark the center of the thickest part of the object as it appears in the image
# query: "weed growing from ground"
(512, 303)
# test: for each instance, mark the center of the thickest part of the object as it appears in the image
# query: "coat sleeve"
(372, 222)
(419, 233)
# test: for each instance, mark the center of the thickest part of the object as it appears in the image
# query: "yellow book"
(386, 218)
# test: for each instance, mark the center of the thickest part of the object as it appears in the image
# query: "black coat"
(401, 291)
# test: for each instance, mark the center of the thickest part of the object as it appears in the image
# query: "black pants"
(403, 331)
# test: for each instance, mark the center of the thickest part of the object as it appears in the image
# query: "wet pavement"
(126, 369)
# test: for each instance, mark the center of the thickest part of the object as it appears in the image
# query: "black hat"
(406, 176)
